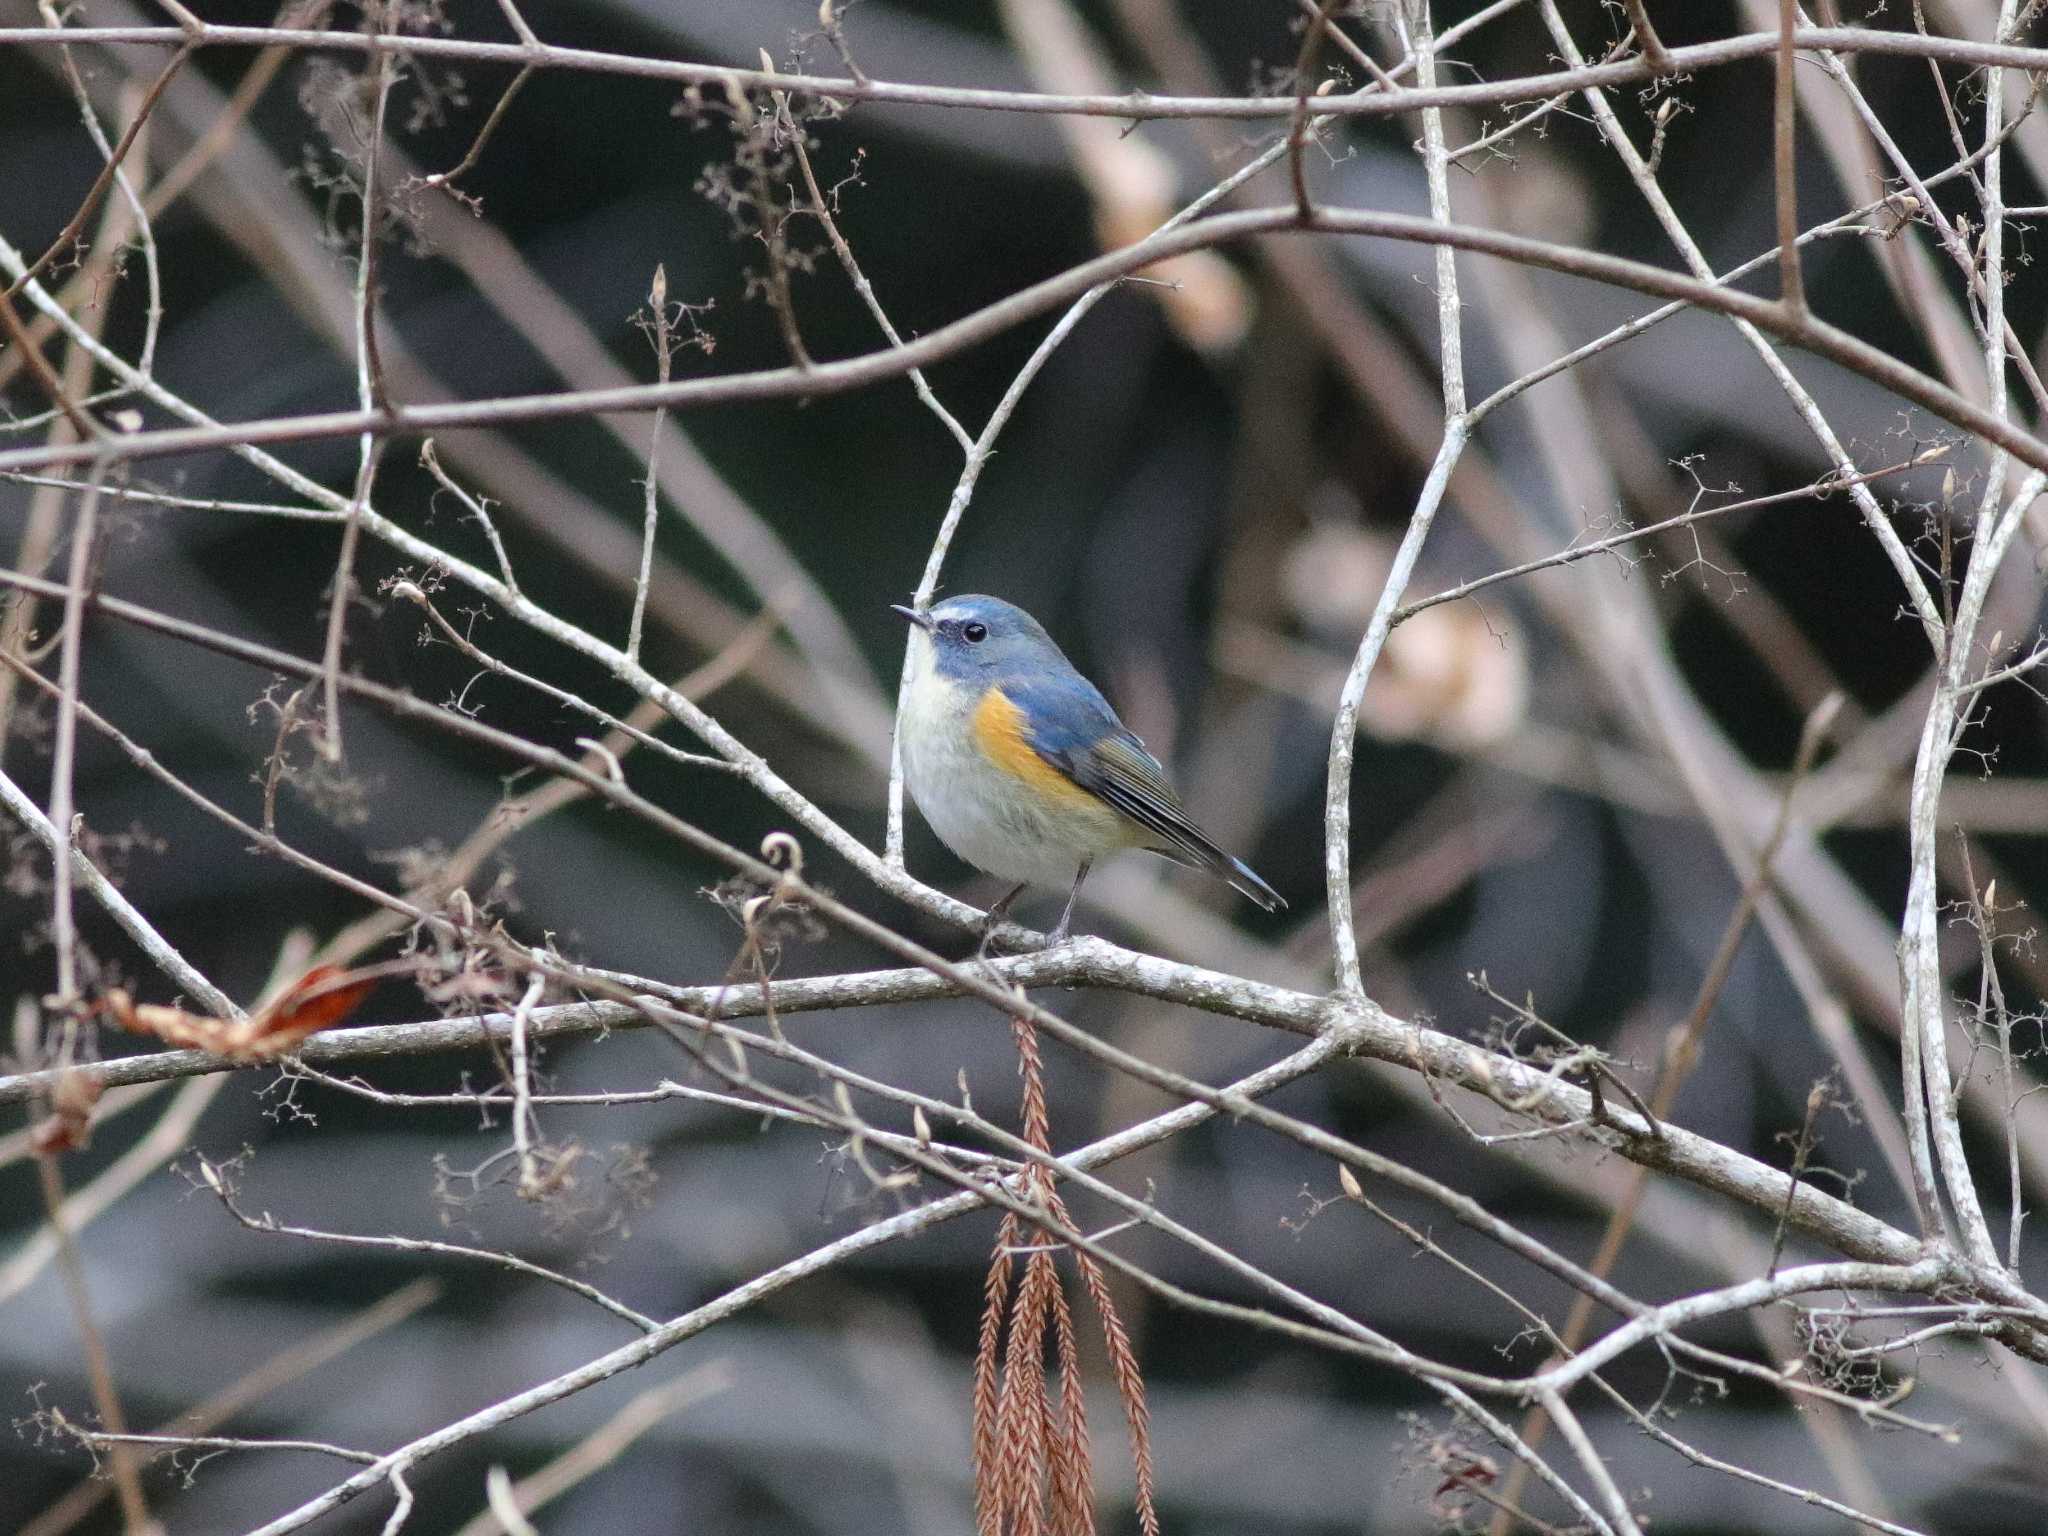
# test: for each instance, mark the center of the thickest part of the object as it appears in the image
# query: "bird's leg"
(1059, 934)
(994, 920)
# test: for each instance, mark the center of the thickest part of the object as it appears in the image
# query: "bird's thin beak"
(911, 615)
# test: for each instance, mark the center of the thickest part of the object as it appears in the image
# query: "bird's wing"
(1072, 727)
(1122, 772)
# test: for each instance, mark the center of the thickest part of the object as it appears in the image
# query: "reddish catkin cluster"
(1033, 1468)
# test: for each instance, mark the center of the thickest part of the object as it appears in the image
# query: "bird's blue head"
(981, 639)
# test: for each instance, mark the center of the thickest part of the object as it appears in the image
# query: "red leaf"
(318, 1000)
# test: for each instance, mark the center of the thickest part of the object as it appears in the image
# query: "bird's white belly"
(981, 811)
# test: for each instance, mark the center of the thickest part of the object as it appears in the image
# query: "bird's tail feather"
(1118, 769)
(1197, 852)
(1244, 880)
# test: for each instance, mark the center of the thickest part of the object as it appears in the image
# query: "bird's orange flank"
(1000, 730)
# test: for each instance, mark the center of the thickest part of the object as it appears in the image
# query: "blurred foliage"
(1142, 503)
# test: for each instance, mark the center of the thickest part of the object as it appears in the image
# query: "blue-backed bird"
(1021, 766)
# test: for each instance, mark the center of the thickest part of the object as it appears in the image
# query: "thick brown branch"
(1134, 106)
(1799, 330)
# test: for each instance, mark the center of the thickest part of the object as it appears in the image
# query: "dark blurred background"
(1202, 517)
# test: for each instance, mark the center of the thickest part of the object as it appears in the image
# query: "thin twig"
(821, 208)
(1298, 131)
(217, 1182)
(40, 531)
(294, 1363)
(525, 33)
(1654, 52)
(601, 1446)
(1791, 286)
(1818, 490)
(1457, 427)
(168, 1136)
(1873, 515)
(106, 1399)
(474, 505)
(1993, 1009)
(467, 163)
(118, 1443)
(1817, 1099)
(63, 756)
(531, 1185)
(664, 361)
(379, 16)
(104, 180)
(21, 345)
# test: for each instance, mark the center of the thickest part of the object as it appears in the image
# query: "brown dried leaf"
(320, 999)
(68, 1126)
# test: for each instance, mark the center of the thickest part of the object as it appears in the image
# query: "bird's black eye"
(974, 633)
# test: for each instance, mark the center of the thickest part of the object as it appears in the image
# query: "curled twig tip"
(784, 852)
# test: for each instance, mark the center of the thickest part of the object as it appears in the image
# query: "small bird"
(1021, 766)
